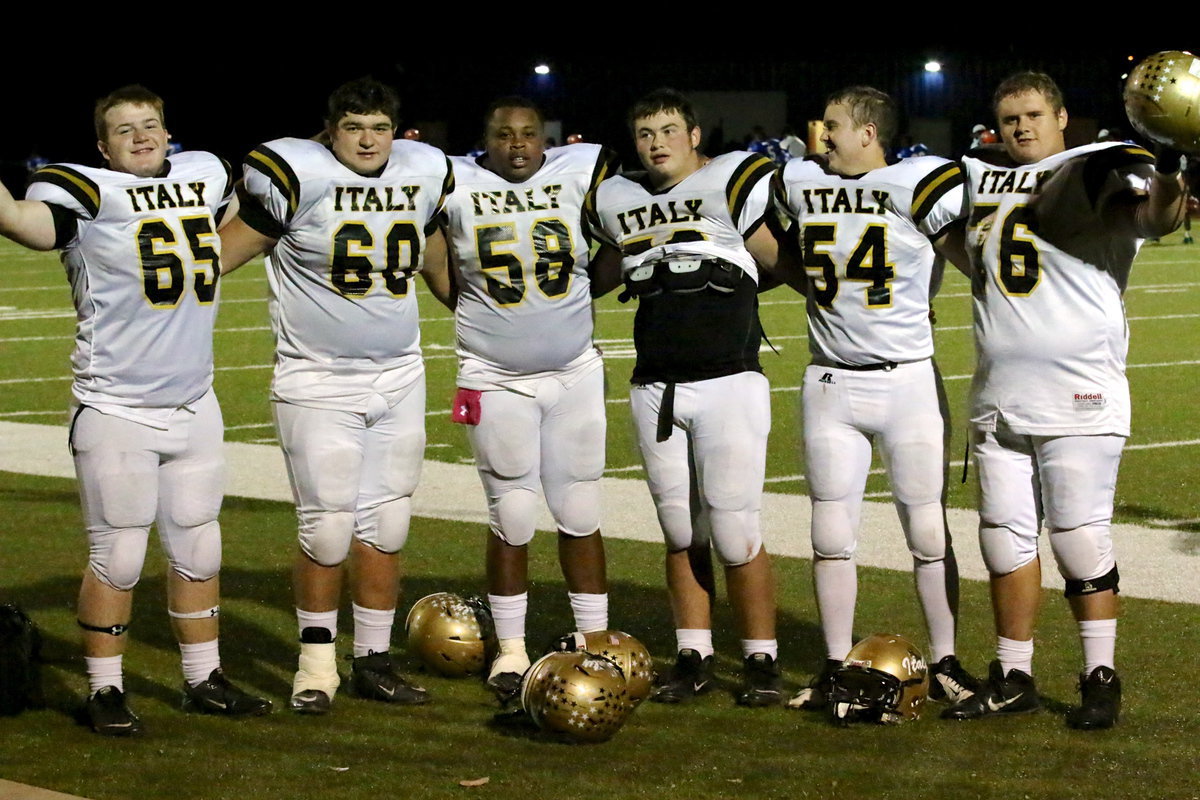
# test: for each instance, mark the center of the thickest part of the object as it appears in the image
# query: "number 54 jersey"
(525, 307)
(1050, 270)
(142, 256)
(348, 248)
(867, 250)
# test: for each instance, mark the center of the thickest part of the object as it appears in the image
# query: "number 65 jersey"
(142, 256)
(525, 307)
(1050, 270)
(867, 250)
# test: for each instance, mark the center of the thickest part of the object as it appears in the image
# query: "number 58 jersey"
(348, 246)
(520, 248)
(142, 256)
(867, 248)
(1050, 270)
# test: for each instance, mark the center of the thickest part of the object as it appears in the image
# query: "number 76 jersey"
(1050, 268)
(521, 250)
(866, 241)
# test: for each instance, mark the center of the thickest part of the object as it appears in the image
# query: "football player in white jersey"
(867, 231)
(139, 242)
(346, 227)
(689, 236)
(533, 403)
(1052, 235)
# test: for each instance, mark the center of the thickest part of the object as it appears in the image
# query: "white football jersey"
(1050, 328)
(143, 259)
(349, 246)
(525, 307)
(868, 254)
(709, 213)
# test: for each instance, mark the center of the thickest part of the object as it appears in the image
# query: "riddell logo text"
(1089, 396)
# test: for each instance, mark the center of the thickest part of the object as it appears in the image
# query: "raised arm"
(26, 222)
(1163, 210)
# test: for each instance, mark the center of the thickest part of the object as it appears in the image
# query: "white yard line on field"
(1155, 562)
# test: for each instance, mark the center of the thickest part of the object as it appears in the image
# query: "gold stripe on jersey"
(79, 186)
(933, 187)
(268, 162)
(743, 180)
(606, 165)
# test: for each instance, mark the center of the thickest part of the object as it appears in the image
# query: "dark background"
(231, 107)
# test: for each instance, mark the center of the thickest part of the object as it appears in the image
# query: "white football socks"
(372, 630)
(199, 660)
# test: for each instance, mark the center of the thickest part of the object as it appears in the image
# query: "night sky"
(243, 101)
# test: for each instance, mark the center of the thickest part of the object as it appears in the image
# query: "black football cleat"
(1014, 693)
(761, 684)
(375, 678)
(815, 696)
(1101, 706)
(109, 715)
(691, 675)
(949, 681)
(217, 695)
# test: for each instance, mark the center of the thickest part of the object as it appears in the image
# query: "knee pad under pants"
(1073, 478)
(712, 464)
(352, 474)
(130, 473)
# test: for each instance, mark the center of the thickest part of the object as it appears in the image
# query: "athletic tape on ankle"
(204, 614)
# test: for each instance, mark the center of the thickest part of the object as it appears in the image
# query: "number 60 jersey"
(348, 247)
(526, 307)
(142, 258)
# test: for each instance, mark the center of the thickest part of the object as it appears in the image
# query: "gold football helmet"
(579, 695)
(452, 635)
(1162, 99)
(623, 650)
(883, 679)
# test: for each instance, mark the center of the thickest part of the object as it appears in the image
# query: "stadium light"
(933, 66)
(542, 69)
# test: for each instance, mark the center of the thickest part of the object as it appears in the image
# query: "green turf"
(707, 749)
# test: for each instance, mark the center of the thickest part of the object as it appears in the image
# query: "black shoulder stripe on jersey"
(1099, 164)
(228, 187)
(933, 187)
(79, 186)
(279, 172)
(254, 213)
(447, 188)
(607, 164)
(66, 224)
(743, 180)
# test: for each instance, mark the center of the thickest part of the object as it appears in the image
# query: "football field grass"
(708, 748)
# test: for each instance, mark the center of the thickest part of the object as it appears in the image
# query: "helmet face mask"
(577, 695)
(1162, 99)
(884, 679)
(451, 635)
